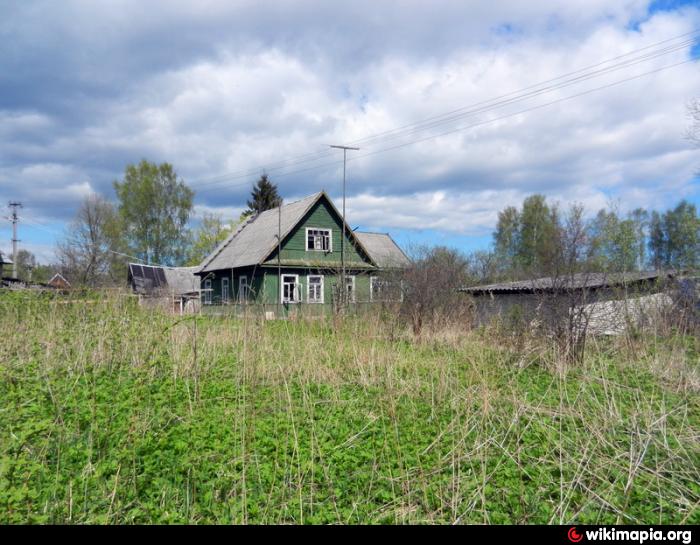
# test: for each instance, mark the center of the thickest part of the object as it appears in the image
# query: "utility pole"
(14, 205)
(280, 288)
(342, 236)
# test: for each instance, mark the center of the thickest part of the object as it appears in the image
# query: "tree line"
(538, 238)
(148, 222)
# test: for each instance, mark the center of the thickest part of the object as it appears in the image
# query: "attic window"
(318, 240)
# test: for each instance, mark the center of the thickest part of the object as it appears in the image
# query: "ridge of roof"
(589, 280)
(256, 247)
(382, 256)
(313, 198)
(316, 197)
(226, 242)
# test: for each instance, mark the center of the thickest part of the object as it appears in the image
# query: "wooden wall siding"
(271, 291)
(320, 216)
(265, 285)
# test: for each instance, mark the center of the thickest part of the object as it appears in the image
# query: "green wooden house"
(305, 268)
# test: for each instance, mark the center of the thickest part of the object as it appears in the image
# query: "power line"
(452, 131)
(625, 64)
(538, 92)
(459, 129)
(39, 225)
(526, 110)
(480, 110)
(482, 106)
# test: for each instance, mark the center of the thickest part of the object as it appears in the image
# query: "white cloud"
(229, 87)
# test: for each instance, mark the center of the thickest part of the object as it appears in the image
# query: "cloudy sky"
(460, 107)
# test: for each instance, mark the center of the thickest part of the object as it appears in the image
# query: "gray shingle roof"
(573, 282)
(182, 279)
(256, 237)
(383, 250)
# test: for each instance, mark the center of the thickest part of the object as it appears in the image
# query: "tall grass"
(111, 413)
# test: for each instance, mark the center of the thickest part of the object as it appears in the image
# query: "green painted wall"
(264, 284)
(263, 279)
(320, 216)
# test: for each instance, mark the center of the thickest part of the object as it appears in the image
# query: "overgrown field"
(110, 413)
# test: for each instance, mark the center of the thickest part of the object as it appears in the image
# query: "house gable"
(254, 242)
(321, 215)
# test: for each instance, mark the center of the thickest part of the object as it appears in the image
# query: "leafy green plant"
(113, 413)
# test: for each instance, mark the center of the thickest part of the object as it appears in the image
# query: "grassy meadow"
(112, 413)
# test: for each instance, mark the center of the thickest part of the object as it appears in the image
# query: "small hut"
(174, 288)
(59, 282)
(4, 260)
(605, 303)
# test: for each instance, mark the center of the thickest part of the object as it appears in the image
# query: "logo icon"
(573, 535)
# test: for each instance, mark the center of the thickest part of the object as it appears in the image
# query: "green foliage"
(209, 234)
(154, 207)
(675, 237)
(527, 241)
(507, 237)
(29, 269)
(537, 241)
(109, 413)
(617, 242)
(263, 197)
(539, 233)
(657, 241)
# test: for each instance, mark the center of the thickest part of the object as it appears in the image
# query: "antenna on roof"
(279, 257)
(14, 205)
(342, 238)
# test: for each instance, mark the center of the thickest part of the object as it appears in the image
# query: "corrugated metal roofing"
(149, 279)
(383, 250)
(564, 283)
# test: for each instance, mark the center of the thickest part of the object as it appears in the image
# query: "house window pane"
(224, 290)
(385, 290)
(243, 289)
(290, 289)
(315, 289)
(350, 288)
(318, 240)
(207, 291)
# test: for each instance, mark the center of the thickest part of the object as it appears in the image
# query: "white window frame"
(297, 290)
(207, 291)
(308, 289)
(243, 288)
(372, 281)
(351, 277)
(225, 289)
(330, 239)
(388, 298)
